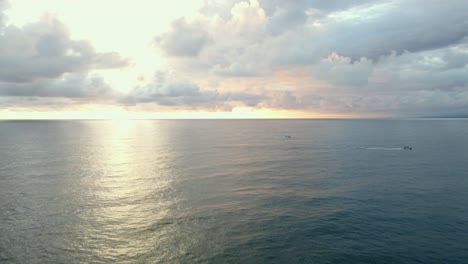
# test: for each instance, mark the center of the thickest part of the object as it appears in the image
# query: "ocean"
(234, 191)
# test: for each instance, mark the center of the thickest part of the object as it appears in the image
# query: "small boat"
(407, 148)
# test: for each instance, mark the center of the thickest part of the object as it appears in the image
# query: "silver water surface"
(249, 191)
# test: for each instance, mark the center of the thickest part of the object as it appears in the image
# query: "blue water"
(234, 191)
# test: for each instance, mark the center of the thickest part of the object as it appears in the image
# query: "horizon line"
(252, 118)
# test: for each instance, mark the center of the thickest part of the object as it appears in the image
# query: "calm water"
(239, 191)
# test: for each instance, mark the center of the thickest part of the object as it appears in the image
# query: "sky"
(233, 59)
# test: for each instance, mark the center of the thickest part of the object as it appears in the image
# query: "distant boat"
(408, 148)
(287, 136)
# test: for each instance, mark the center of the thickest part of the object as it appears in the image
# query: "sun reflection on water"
(130, 189)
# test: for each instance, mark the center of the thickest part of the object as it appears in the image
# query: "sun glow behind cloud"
(127, 27)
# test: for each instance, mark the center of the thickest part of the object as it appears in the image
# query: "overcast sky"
(265, 58)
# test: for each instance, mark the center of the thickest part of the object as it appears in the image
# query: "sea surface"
(234, 191)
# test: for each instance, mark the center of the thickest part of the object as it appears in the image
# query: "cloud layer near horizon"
(407, 58)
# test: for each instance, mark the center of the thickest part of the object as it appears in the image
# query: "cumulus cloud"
(183, 39)
(169, 89)
(41, 60)
(278, 33)
(44, 50)
(251, 39)
(373, 55)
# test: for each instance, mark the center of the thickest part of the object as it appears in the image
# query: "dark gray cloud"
(286, 15)
(77, 85)
(413, 25)
(168, 89)
(271, 6)
(183, 39)
(362, 28)
(342, 71)
(44, 50)
(28, 103)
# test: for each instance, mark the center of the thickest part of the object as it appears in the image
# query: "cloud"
(248, 40)
(412, 103)
(257, 36)
(183, 39)
(341, 70)
(396, 26)
(412, 83)
(326, 7)
(44, 50)
(288, 15)
(374, 56)
(443, 69)
(3, 6)
(341, 56)
(28, 103)
(169, 89)
(70, 85)
(286, 18)
(41, 60)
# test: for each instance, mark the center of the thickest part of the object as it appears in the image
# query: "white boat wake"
(382, 148)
